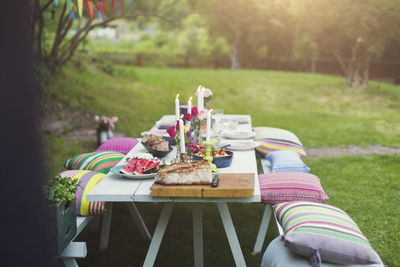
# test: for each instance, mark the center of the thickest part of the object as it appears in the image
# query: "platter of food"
(239, 145)
(221, 157)
(239, 135)
(159, 133)
(138, 168)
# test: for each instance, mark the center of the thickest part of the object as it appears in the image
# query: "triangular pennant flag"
(56, 2)
(129, 2)
(99, 15)
(113, 6)
(69, 4)
(106, 8)
(91, 12)
(121, 5)
(72, 15)
(100, 8)
(80, 7)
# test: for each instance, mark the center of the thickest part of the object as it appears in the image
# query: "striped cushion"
(273, 139)
(324, 232)
(95, 161)
(119, 144)
(290, 186)
(87, 180)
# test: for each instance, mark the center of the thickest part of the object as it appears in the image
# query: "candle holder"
(184, 157)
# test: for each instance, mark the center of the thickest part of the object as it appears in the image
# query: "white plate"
(165, 124)
(116, 170)
(238, 135)
(159, 133)
(240, 145)
(237, 119)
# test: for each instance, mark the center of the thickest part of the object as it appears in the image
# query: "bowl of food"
(157, 146)
(221, 158)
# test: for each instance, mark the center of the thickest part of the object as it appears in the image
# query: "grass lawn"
(320, 109)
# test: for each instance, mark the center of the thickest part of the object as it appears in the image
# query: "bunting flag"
(72, 15)
(106, 7)
(121, 5)
(69, 5)
(129, 2)
(80, 7)
(100, 8)
(113, 6)
(56, 2)
(91, 11)
(99, 15)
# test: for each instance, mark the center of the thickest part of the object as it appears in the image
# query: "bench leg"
(158, 234)
(231, 234)
(139, 221)
(197, 234)
(105, 227)
(263, 229)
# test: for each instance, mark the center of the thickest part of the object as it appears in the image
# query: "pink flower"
(114, 119)
(203, 114)
(188, 117)
(96, 118)
(207, 92)
(177, 125)
(171, 131)
(195, 111)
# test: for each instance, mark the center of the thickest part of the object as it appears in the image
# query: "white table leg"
(197, 234)
(231, 234)
(105, 227)
(158, 234)
(139, 220)
(263, 229)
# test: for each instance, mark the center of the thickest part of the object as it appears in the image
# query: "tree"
(353, 32)
(60, 48)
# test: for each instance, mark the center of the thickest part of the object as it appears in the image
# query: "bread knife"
(215, 180)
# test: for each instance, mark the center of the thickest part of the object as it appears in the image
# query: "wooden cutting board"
(230, 185)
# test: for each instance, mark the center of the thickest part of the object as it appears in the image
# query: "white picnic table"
(114, 188)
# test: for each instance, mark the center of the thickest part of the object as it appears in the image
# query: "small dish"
(239, 145)
(158, 153)
(116, 170)
(238, 135)
(220, 162)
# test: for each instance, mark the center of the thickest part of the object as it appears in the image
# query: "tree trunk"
(235, 64)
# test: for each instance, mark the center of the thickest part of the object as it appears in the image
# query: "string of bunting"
(100, 8)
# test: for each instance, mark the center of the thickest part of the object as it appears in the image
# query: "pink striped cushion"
(120, 144)
(290, 186)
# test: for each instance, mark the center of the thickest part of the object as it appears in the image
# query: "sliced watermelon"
(152, 167)
(141, 166)
(129, 168)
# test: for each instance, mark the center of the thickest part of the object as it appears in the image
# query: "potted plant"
(61, 196)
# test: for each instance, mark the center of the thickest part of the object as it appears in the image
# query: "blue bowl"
(220, 162)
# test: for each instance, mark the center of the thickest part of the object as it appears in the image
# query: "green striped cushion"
(96, 161)
(324, 232)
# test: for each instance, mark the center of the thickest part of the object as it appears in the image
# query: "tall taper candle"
(199, 97)
(208, 126)
(189, 107)
(181, 136)
(177, 107)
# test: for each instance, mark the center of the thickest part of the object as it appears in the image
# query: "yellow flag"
(80, 7)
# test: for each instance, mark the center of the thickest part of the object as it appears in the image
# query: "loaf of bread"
(185, 173)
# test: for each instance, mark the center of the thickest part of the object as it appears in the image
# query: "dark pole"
(22, 227)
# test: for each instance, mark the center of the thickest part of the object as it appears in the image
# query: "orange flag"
(106, 7)
(91, 11)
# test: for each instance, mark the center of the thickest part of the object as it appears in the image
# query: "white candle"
(208, 126)
(181, 136)
(189, 107)
(177, 107)
(202, 98)
(199, 98)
